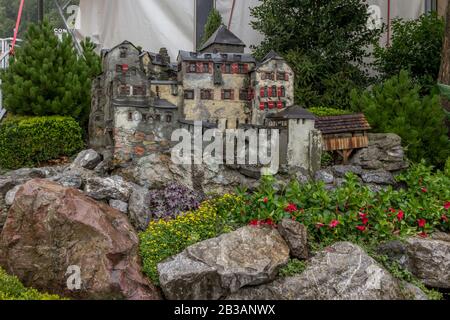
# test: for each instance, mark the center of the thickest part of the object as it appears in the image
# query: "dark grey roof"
(272, 55)
(164, 104)
(293, 112)
(223, 36)
(216, 57)
(106, 51)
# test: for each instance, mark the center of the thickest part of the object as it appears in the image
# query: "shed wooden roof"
(342, 124)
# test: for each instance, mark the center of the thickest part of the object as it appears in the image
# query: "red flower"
(421, 223)
(424, 190)
(447, 205)
(365, 221)
(265, 200)
(269, 222)
(444, 218)
(423, 234)
(361, 228)
(291, 208)
(392, 210)
(400, 215)
(362, 215)
(334, 223)
(254, 222)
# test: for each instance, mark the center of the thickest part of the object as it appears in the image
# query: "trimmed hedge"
(12, 289)
(28, 141)
(327, 111)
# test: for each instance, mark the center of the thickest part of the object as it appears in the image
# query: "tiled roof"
(222, 36)
(216, 57)
(342, 124)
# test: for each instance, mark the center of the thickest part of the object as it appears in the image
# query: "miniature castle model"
(141, 97)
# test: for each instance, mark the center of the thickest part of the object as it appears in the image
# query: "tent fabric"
(153, 24)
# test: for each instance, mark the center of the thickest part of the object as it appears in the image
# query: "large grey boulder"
(296, 236)
(342, 271)
(341, 171)
(114, 187)
(382, 177)
(326, 176)
(428, 259)
(139, 207)
(87, 159)
(217, 267)
(119, 205)
(385, 151)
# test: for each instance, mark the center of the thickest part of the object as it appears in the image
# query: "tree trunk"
(444, 74)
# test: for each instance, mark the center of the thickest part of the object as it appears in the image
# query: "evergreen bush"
(28, 141)
(396, 106)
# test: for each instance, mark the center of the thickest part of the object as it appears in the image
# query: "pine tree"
(46, 77)
(212, 24)
(397, 106)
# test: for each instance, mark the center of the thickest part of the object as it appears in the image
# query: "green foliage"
(325, 43)
(46, 77)
(447, 167)
(445, 90)
(293, 268)
(212, 24)
(397, 106)
(12, 289)
(353, 212)
(165, 238)
(416, 47)
(30, 141)
(326, 111)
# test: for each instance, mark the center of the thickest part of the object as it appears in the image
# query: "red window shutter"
(270, 91)
(286, 76)
(199, 67)
(261, 105)
(211, 67)
(232, 94)
(262, 92)
(245, 68)
(223, 94)
(271, 105)
(234, 68)
(280, 104)
(124, 68)
(280, 91)
(223, 67)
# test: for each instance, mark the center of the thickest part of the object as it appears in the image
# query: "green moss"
(293, 268)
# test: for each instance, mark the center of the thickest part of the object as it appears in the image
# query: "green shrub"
(212, 24)
(12, 289)
(397, 106)
(326, 111)
(293, 268)
(416, 46)
(165, 238)
(30, 141)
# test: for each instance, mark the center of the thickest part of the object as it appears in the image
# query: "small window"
(158, 118)
(274, 91)
(123, 52)
(192, 67)
(227, 94)
(206, 67)
(169, 118)
(243, 94)
(228, 68)
(157, 92)
(206, 94)
(224, 56)
(241, 68)
(237, 57)
(281, 76)
(124, 90)
(139, 91)
(189, 94)
(208, 56)
(269, 76)
(130, 116)
(119, 68)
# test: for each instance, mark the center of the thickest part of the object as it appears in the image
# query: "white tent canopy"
(153, 24)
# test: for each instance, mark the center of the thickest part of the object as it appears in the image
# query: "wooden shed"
(344, 133)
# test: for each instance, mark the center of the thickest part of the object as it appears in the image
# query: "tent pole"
(70, 31)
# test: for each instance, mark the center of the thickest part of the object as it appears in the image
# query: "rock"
(326, 176)
(119, 205)
(6, 184)
(20, 176)
(139, 208)
(87, 159)
(50, 230)
(71, 181)
(384, 152)
(427, 259)
(216, 267)
(378, 177)
(114, 187)
(296, 236)
(340, 272)
(11, 195)
(341, 170)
